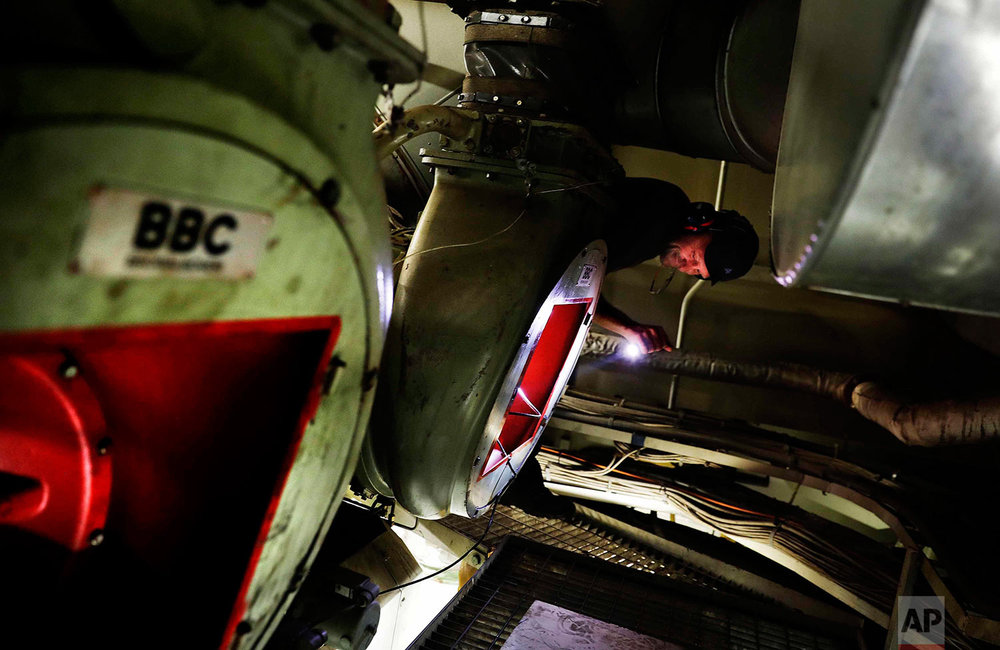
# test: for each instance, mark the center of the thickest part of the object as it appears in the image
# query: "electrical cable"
(474, 243)
(489, 524)
(479, 541)
(859, 574)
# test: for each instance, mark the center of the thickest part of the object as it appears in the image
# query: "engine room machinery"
(195, 284)
(490, 308)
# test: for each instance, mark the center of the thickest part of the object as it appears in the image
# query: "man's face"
(687, 254)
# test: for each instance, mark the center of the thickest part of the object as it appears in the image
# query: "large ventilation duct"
(884, 186)
(194, 273)
(708, 78)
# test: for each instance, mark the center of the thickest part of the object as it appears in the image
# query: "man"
(657, 219)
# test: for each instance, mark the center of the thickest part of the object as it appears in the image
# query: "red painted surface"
(312, 404)
(204, 421)
(532, 399)
(56, 483)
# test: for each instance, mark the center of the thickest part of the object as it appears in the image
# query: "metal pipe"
(929, 423)
(719, 189)
(834, 385)
(926, 423)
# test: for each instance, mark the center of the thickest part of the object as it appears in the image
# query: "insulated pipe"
(923, 424)
(834, 385)
(929, 424)
(455, 124)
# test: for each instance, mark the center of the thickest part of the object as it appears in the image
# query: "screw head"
(525, 19)
(502, 18)
(103, 446)
(96, 537)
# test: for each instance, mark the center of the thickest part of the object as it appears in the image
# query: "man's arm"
(649, 338)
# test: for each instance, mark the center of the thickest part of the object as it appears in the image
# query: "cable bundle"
(844, 565)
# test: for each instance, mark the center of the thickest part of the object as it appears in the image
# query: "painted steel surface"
(889, 141)
(537, 376)
(281, 131)
(460, 322)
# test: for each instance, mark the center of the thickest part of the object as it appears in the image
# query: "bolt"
(478, 458)
(520, 122)
(496, 98)
(503, 18)
(96, 537)
(489, 175)
(314, 638)
(325, 36)
(519, 102)
(69, 369)
(491, 118)
(329, 193)
(525, 19)
(103, 446)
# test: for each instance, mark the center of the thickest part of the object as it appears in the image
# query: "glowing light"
(632, 351)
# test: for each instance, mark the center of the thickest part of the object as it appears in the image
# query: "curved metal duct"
(493, 301)
(710, 77)
(884, 186)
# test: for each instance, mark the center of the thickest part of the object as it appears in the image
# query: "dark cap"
(733, 248)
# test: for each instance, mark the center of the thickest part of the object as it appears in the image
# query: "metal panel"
(889, 147)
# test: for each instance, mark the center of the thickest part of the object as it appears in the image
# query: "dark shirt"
(650, 215)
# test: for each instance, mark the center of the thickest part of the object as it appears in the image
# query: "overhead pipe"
(923, 424)
(834, 385)
(695, 288)
(928, 424)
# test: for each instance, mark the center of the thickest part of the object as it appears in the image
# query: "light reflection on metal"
(887, 146)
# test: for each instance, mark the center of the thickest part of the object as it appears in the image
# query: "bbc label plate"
(142, 235)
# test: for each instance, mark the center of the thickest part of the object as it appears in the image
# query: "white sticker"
(137, 235)
(586, 276)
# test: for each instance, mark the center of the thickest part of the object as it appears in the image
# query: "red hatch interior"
(523, 420)
(137, 483)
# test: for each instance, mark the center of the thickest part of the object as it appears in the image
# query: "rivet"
(503, 18)
(103, 446)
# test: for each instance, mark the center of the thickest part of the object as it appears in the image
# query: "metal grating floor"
(489, 606)
(582, 536)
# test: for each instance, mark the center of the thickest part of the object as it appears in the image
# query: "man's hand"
(648, 338)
